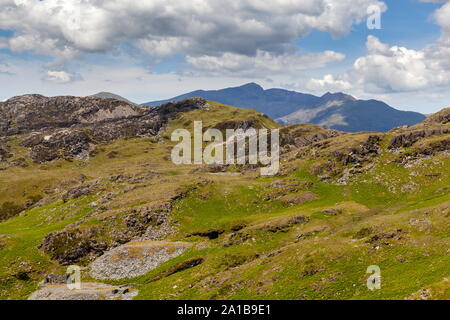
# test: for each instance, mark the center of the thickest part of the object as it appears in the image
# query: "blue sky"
(158, 49)
(406, 23)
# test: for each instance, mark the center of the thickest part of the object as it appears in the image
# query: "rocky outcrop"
(283, 225)
(42, 154)
(80, 191)
(68, 247)
(172, 109)
(299, 136)
(36, 112)
(442, 117)
(365, 152)
(147, 223)
(408, 139)
(69, 127)
(235, 125)
(422, 153)
(3, 154)
(66, 144)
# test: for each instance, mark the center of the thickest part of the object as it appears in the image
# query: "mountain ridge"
(250, 96)
(338, 111)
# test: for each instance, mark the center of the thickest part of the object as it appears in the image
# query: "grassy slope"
(328, 265)
(325, 258)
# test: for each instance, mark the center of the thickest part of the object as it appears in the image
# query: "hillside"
(110, 200)
(336, 111)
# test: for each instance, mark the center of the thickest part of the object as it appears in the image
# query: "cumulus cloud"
(399, 69)
(442, 17)
(392, 69)
(66, 29)
(60, 76)
(396, 69)
(328, 83)
(263, 63)
(161, 47)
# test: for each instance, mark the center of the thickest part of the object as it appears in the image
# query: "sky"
(397, 51)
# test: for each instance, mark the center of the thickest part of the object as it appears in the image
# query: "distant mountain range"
(333, 110)
(109, 95)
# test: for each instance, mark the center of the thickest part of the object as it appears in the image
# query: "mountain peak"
(109, 95)
(337, 96)
(335, 110)
(252, 86)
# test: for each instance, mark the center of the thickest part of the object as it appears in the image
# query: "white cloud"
(59, 77)
(399, 69)
(239, 39)
(5, 68)
(161, 47)
(375, 46)
(442, 16)
(65, 29)
(393, 69)
(263, 63)
(328, 83)
(407, 78)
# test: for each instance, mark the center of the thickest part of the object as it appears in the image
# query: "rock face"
(69, 247)
(70, 127)
(3, 154)
(88, 291)
(34, 112)
(410, 138)
(442, 117)
(298, 136)
(359, 154)
(135, 258)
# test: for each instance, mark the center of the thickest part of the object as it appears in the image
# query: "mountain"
(343, 112)
(89, 182)
(273, 102)
(337, 111)
(109, 95)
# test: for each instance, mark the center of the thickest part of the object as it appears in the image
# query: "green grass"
(332, 266)
(23, 235)
(325, 257)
